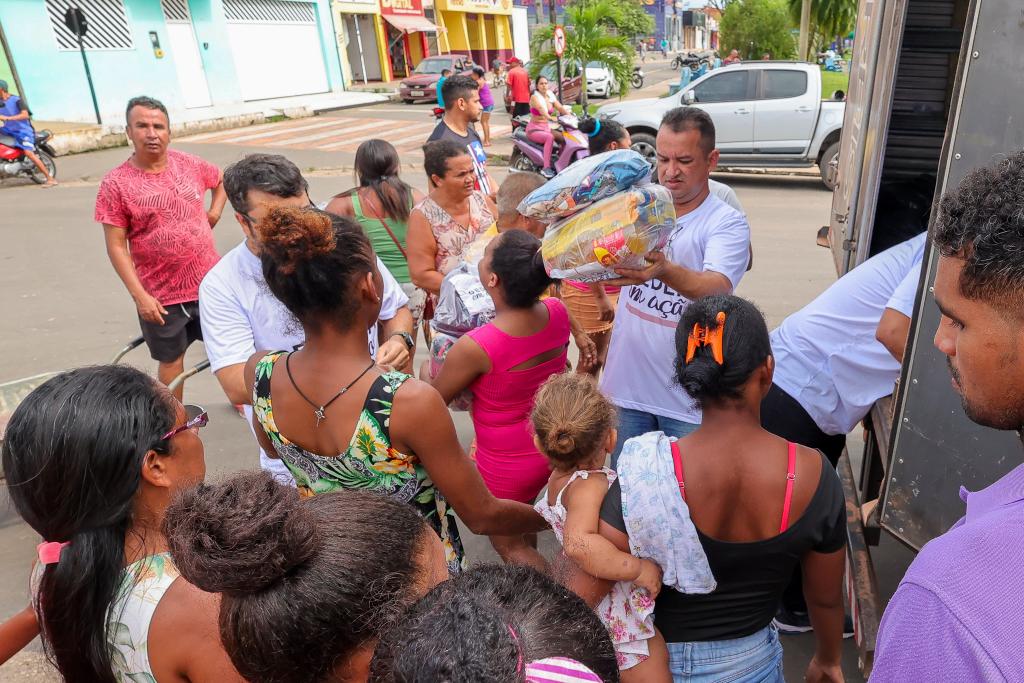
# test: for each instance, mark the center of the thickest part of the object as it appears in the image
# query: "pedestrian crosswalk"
(333, 134)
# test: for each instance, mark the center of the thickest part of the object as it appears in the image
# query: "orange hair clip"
(702, 336)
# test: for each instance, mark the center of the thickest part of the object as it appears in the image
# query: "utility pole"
(805, 29)
(553, 19)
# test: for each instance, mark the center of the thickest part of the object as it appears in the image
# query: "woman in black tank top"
(760, 506)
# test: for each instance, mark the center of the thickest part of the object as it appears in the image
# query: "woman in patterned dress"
(449, 219)
(92, 459)
(337, 420)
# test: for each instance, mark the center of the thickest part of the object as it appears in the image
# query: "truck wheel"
(644, 144)
(828, 166)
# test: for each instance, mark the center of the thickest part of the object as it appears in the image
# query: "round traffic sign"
(559, 40)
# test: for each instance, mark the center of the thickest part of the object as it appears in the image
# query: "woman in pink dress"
(503, 364)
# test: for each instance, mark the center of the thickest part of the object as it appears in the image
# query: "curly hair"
(571, 418)
(982, 222)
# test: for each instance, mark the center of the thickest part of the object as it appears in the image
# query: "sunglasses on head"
(195, 418)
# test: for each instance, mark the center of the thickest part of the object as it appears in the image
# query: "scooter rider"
(15, 117)
(543, 109)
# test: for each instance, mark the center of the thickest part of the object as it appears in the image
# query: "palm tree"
(829, 18)
(588, 39)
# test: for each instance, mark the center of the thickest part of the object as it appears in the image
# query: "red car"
(421, 86)
(572, 83)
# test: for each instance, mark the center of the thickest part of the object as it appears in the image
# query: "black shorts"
(520, 109)
(169, 341)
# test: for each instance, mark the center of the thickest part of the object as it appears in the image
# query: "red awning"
(411, 23)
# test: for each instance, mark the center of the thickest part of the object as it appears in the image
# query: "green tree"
(587, 39)
(634, 20)
(754, 27)
(829, 18)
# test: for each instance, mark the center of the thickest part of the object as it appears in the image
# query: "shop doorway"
(361, 47)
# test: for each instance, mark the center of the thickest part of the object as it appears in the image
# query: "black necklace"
(319, 410)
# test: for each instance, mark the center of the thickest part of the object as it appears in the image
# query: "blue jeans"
(756, 658)
(636, 422)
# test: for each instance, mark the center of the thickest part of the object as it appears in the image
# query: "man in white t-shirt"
(707, 253)
(842, 352)
(238, 312)
(833, 359)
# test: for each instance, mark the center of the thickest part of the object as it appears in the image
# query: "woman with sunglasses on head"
(335, 418)
(93, 458)
(784, 504)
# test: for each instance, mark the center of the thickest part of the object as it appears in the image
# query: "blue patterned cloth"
(657, 519)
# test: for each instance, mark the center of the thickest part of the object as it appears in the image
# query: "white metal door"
(785, 112)
(184, 51)
(520, 34)
(277, 48)
(725, 97)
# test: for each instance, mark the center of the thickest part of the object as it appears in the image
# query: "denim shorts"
(489, 108)
(756, 658)
(636, 422)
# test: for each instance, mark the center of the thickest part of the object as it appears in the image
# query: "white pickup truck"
(766, 113)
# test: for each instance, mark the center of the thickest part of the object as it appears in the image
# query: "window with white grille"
(106, 20)
(269, 12)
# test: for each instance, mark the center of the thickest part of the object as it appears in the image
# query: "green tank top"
(382, 242)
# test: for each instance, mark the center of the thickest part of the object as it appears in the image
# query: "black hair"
(745, 347)
(536, 81)
(145, 102)
(682, 119)
(377, 166)
(478, 626)
(982, 222)
(457, 87)
(516, 260)
(479, 71)
(609, 132)
(304, 583)
(72, 455)
(270, 173)
(444, 71)
(310, 260)
(437, 153)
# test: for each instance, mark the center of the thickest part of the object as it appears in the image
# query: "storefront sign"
(486, 6)
(402, 7)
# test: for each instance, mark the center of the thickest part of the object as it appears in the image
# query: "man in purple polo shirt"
(958, 614)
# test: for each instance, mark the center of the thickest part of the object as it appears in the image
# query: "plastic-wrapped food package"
(463, 304)
(585, 182)
(616, 232)
(440, 345)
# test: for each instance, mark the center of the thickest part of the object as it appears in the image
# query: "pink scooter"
(528, 155)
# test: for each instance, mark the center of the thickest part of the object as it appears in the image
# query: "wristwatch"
(406, 337)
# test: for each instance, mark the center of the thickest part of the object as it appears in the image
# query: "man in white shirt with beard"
(707, 253)
(241, 314)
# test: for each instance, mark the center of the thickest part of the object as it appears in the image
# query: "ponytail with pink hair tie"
(49, 551)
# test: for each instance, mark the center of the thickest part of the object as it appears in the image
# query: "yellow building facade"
(481, 29)
(362, 41)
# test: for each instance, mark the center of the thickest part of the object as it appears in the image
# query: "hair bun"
(290, 236)
(240, 536)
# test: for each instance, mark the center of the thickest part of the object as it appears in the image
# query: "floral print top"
(369, 463)
(142, 587)
(453, 237)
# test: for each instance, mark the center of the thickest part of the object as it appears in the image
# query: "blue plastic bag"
(585, 182)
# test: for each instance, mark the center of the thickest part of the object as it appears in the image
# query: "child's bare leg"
(654, 669)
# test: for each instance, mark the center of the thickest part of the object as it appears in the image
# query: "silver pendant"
(320, 417)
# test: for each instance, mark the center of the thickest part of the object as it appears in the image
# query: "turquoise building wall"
(54, 80)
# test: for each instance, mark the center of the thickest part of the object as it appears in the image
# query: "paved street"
(64, 306)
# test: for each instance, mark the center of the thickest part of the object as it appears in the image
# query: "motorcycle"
(528, 155)
(15, 163)
(694, 63)
(637, 79)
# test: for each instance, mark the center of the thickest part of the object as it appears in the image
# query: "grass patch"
(832, 81)
(275, 118)
(578, 109)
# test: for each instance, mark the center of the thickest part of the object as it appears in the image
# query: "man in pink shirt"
(158, 233)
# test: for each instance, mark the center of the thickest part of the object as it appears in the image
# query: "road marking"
(330, 133)
(285, 131)
(422, 132)
(282, 126)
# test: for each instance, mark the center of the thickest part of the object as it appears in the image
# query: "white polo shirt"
(239, 316)
(826, 354)
(640, 372)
